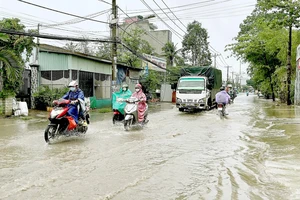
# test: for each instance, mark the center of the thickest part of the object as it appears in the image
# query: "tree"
(71, 47)
(104, 51)
(286, 13)
(134, 41)
(261, 46)
(11, 49)
(171, 53)
(195, 44)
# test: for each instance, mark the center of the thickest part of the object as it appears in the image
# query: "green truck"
(197, 88)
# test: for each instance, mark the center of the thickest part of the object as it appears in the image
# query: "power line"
(188, 9)
(154, 38)
(176, 33)
(74, 21)
(105, 2)
(62, 12)
(54, 37)
(174, 14)
(169, 17)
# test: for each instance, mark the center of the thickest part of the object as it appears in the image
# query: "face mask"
(72, 89)
(124, 89)
(137, 90)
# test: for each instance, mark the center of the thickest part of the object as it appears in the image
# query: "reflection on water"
(253, 154)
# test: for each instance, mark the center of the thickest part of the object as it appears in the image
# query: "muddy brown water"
(253, 154)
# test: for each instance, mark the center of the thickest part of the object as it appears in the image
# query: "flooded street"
(253, 154)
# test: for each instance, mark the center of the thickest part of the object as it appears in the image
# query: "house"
(56, 67)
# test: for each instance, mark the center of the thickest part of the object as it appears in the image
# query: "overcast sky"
(221, 18)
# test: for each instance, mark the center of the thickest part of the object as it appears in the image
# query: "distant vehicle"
(259, 94)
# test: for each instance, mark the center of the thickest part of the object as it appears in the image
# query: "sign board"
(161, 62)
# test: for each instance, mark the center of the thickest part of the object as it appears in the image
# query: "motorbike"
(131, 113)
(63, 125)
(117, 116)
(221, 110)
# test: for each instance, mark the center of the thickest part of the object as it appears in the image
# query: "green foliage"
(265, 48)
(45, 96)
(11, 49)
(195, 45)
(135, 42)
(171, 54)
(152, 81)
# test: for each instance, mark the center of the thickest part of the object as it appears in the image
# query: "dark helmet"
(222, 88)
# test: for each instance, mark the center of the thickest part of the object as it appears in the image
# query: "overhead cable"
(168, 16)
(62, 12)
(176, 33)
(154, 38)
(174, 14)
(56, 37)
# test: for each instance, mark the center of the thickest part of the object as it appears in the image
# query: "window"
(46, 75)
(56, 75)
(66, 74)
(74, 74)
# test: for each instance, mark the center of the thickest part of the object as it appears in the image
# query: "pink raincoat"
(141, 105)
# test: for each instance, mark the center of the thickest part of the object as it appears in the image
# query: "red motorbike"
(62, 124)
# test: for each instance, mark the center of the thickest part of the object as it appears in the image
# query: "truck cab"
(193, 94)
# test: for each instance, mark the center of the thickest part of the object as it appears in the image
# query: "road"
(253, 154)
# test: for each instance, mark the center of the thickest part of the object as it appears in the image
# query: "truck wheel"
(208, 108)
(181, 109)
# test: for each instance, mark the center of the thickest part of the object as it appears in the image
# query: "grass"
(104, 110)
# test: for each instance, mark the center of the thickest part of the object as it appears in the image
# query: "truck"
(197, 88)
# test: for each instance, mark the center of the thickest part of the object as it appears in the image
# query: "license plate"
(220, 108)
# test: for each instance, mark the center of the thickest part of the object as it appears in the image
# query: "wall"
(6, 106)
(156, 38)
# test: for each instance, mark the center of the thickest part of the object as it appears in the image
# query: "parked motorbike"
(131, 113)
(221, 110)
(62, 124)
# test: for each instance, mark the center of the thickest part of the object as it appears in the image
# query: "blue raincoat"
(73, 111)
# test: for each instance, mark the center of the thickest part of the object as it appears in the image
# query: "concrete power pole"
(240, 75)
(227, 74)
(215, 59)
(113, 27)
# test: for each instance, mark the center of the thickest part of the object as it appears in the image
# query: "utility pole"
(215, 59)
(113, 27)
(288, 70)
(227, 74)
(37, 45)
(240, 80)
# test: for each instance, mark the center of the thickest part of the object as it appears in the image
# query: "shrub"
(44, 97)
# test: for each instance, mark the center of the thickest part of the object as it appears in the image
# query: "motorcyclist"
(139, 94)
(124, 93)
(74, 94)
(223, 97)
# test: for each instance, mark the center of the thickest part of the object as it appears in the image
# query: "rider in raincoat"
(139, 94)
(124, 93)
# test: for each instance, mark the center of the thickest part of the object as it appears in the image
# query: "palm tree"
(170, 53)
(9, 65)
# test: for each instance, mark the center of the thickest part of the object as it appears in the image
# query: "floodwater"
(253, 154)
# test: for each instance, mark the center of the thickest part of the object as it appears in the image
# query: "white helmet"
(73, 84)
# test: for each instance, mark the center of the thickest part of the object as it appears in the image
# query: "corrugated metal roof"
(54, 49)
